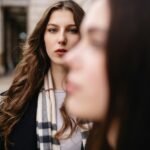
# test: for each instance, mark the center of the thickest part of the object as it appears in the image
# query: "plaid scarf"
(46, 118)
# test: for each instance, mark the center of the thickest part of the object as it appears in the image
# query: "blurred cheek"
(91, 100)
(73, 41)
(99, 87)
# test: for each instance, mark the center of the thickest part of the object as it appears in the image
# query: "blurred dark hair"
(128, 66)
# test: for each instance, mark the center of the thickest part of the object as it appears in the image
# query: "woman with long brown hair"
(29, 110)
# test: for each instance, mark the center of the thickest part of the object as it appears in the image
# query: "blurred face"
(87, 80)
(61, 34)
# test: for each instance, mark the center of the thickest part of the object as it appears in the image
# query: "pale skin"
(87, 84)
(87, 80)
(61, 33)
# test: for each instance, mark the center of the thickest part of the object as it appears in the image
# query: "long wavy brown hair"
(30, 72)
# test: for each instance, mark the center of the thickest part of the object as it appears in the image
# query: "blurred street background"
(17, 20)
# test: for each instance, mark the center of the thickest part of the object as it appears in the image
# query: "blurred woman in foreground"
(109, 78)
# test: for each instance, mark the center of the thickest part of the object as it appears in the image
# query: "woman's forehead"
(61, 14)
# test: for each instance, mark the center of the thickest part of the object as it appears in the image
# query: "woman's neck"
(58, 74)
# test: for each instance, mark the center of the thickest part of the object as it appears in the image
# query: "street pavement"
(5, 82)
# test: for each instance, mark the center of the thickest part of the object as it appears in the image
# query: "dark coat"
(23, 136)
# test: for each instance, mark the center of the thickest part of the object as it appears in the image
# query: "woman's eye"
(74, 30)
(52, 30)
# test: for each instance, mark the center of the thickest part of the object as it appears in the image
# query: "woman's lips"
(61, 52)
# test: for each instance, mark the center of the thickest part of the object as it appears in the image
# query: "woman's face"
(87, 85)
(61, 34)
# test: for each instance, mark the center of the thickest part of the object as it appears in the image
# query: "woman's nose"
(62, 39)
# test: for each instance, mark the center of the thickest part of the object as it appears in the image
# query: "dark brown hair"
(128, 66)
(30, 72)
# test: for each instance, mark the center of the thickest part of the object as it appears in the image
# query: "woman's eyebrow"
(71, 25)
(52, 24)
(55, 25)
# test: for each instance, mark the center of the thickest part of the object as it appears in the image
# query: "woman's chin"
(76, 108)
(73, 107)
(82, 110)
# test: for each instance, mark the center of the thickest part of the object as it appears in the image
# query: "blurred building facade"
(17, 20)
